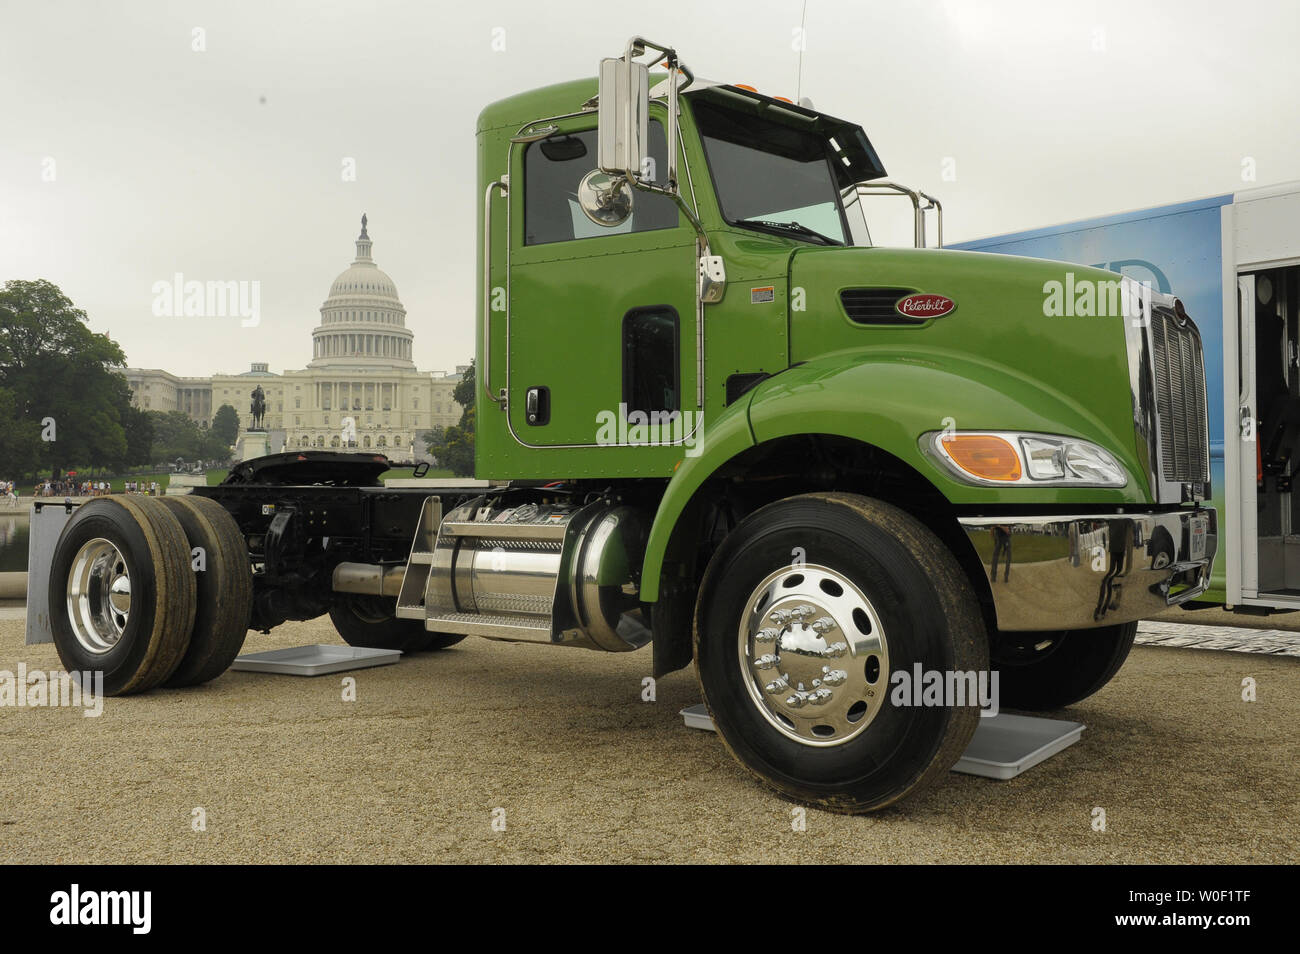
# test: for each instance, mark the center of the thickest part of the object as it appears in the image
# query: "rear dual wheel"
(129, 595)
(122, 595)
(224, 580)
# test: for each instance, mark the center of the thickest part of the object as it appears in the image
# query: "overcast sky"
(126, 156)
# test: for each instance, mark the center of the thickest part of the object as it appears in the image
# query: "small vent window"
(650, 359)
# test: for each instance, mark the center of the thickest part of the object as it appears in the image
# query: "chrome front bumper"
(1076, 572)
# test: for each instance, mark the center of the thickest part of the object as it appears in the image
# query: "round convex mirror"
(605, 199)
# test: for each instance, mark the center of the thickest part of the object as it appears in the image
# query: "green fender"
(888, 398)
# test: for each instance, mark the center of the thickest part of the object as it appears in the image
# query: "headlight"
(999, 458)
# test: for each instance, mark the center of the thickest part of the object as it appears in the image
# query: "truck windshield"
(771, 177)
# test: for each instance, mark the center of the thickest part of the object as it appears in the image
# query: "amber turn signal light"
(983, 456)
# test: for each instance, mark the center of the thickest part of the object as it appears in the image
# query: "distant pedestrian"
(1001, 547)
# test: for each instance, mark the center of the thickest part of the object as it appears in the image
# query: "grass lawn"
(119, 483)
(405, 472)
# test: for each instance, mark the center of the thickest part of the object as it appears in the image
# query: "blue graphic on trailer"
(1177, 248)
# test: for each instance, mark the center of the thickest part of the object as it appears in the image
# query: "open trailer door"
(1243, 466)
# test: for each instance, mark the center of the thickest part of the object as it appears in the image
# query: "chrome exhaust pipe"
(369, 579)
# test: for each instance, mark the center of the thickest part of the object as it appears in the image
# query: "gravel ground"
(412, 771)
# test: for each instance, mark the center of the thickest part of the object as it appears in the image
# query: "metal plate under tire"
(316, 660)
(1004, 745)
(697, 717)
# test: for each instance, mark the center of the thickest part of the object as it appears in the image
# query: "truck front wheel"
(368, 621)
(815, 615)
(1050, 670)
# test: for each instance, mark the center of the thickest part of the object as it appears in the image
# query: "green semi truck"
(715, 420)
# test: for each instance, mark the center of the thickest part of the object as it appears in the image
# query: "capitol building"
(361, 368)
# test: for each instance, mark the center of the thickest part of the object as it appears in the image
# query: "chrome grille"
(1179, 367)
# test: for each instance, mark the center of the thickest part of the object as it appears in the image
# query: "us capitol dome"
(362, 323)
(361, 390)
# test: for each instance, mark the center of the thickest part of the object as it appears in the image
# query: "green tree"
(458, 447)
(212, 447)
(225, 425)
(20, 440)
(464, 393)
(64, 378)
(175, 435)
(434, 439)
(139, 437)
(454, 446)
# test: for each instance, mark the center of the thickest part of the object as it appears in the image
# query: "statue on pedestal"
(258, 407)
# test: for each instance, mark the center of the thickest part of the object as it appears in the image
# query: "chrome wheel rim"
(99, 595)
(814, 655)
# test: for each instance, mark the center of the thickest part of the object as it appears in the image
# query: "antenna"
(803, 41)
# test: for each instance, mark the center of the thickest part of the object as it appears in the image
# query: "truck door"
(1248, 455)
(601, 318)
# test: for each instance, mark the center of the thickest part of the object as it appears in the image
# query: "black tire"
(928, 614)
(1050, 670)
(368, 621)
(224, 589)
(146, 646)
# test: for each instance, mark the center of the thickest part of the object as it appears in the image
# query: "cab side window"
(553, 168)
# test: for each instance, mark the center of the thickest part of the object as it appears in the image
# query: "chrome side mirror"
(605, 199)
(623, 116)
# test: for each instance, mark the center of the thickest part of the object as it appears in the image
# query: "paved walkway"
(1274, 642)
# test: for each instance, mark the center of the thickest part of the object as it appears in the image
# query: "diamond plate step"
(505, 627)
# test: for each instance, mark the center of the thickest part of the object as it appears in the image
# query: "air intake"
(875, 306)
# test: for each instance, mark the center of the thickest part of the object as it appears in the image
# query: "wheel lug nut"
(823, 624)
(836, 649)
(766, 661)
(767, 635)
(783, 616)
